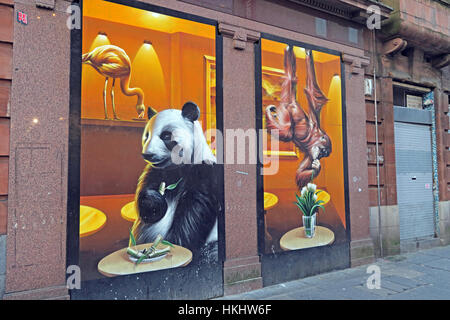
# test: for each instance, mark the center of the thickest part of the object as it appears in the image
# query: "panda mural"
(186, 214)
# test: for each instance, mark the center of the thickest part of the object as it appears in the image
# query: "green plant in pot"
(309, 205)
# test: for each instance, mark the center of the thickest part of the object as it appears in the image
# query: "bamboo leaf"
(167, 243)
(141, 259)
(162, 188)
(133, 240)
(133, 253)
(173, 186)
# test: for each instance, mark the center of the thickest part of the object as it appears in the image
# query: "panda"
(177, 193)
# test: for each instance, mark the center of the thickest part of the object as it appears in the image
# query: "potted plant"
(309, 204)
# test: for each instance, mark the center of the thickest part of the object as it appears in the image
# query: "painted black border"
(345, 150)
(221, 149)
(73, 200)
(259, 164)
(258, 126)
(73, 181)
(162, 10)
(288, 41)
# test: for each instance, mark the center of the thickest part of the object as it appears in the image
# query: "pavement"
(422, 275)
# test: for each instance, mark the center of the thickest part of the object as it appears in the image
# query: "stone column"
(442, 127)
(361, 245)
(242, 267)
(37, 206)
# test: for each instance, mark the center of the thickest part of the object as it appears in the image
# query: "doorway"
(414, 165)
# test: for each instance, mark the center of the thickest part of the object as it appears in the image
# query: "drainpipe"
(380, 237)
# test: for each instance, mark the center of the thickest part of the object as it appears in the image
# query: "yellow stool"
(128, 212)
(91, 220)
(270, 200)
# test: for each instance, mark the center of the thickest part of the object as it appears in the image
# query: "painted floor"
(423, 275)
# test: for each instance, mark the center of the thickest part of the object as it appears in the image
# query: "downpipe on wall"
(377, 152)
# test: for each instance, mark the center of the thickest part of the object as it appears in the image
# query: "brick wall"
(6, 47)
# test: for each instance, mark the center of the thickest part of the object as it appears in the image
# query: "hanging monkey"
(289, 122)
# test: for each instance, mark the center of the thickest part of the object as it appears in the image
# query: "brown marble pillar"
(242, 268)
(361, 245)
(36, 246)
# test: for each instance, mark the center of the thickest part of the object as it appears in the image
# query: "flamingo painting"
(113, 62)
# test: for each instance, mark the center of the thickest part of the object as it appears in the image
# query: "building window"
(408, 97)
(321, 27)
(353, 35)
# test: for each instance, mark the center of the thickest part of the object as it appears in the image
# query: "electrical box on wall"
(368, 87)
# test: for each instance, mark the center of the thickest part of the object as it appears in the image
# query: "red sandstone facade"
(35, 82)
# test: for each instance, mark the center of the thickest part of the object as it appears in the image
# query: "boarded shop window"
(148, 92)
(302, 109)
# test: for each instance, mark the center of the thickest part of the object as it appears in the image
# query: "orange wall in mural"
(285, 215)
(170, 70)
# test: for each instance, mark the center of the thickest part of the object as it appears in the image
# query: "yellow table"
(91, 220)
(118, 263)
(270, 200)
(296, 239)
(128, 212)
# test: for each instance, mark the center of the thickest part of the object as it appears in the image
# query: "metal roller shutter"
(414, 180)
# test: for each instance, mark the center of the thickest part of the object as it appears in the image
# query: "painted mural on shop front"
(304, 202)
(149, 182)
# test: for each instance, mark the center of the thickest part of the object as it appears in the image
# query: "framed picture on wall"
(210, 98)
(272, 79)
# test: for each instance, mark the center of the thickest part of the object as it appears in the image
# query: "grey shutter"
(414, 180)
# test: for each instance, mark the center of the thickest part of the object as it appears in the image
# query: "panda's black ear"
(190, 111)
(151, 112)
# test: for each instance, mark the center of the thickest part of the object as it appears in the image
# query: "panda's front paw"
(152, 206)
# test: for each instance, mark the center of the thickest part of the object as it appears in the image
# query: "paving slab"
(401, 271)
(443, 252)
(427, 292)
(414, 276)
(420, 258)
(442, 264)
(2, 286)
(406, 282)
(394, 286)
(382, 292)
